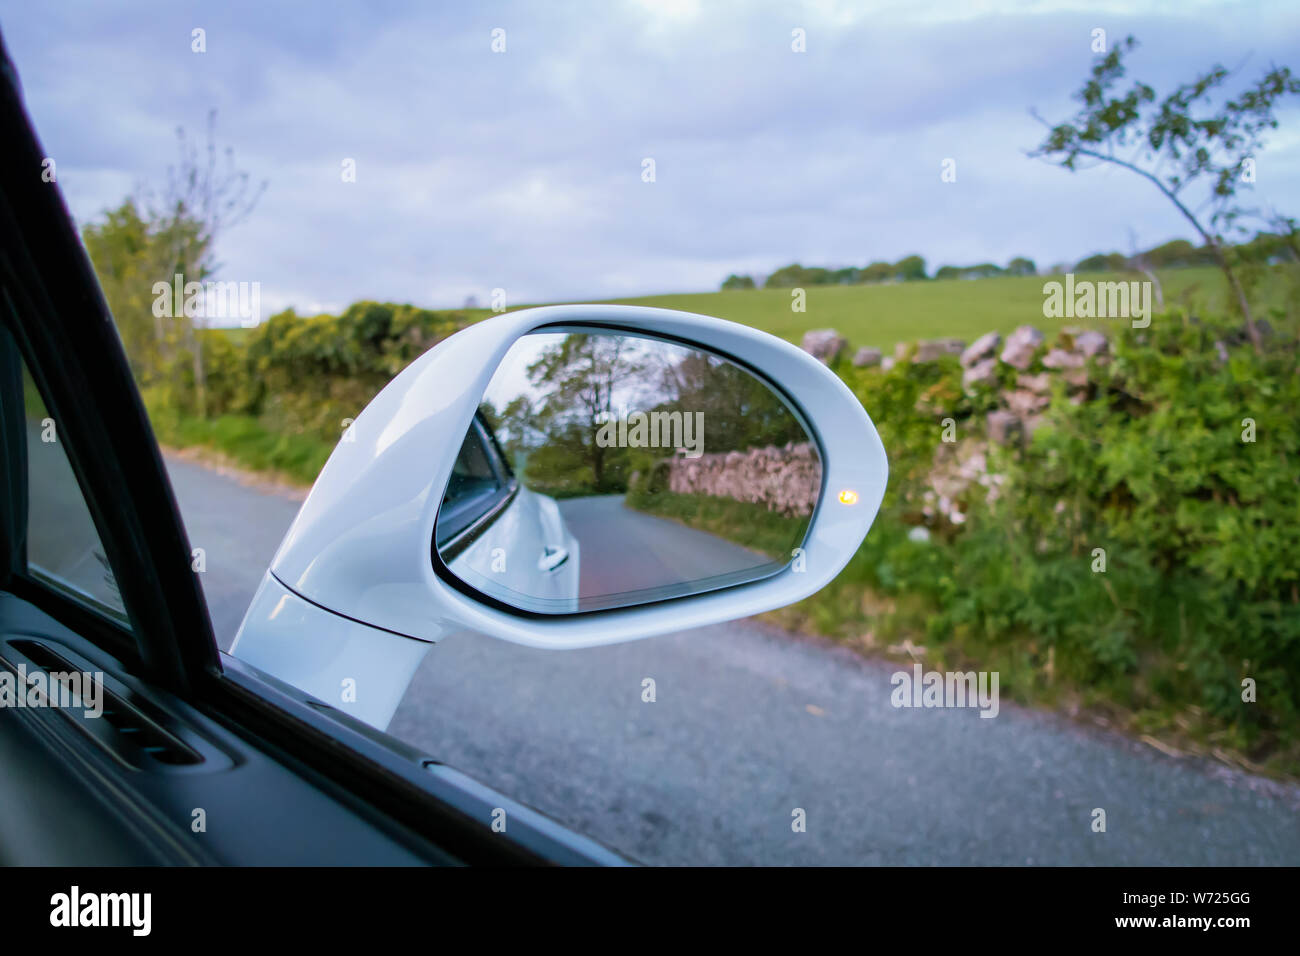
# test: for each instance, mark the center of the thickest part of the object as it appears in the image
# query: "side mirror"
(610, 469)
(566, 477)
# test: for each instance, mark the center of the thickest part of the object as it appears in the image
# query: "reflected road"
(622, 549)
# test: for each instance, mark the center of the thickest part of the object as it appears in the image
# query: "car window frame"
(67, 337)
(470, 502)
(458, 527)
(101, 624)
(18, 450)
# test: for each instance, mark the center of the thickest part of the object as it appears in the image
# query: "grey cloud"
(522, 170)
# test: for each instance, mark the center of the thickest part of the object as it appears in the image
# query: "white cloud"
(522, 170)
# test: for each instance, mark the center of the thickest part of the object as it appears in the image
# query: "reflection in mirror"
(606, 469)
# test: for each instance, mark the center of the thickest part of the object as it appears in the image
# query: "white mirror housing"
(356, 572)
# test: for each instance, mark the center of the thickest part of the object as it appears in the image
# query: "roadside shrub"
(1196, 524)
(309, 374)
(1183, 468)
(278, 394)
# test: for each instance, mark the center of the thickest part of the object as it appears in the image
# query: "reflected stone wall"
(785, 480)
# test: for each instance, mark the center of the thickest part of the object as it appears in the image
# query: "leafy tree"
(1186, 139)
(796, 276)
(577, 377)
(734, 281)
(877, 272)
(1177, 254)
(121, 246)
(1103, 262)
(151, 238)
(910, 268)
(1021, 266)
(565, 464)
(984, 270)
(202, 198)
(308, 373)
(740, 411)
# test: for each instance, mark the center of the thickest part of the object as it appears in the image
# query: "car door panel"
(89, 805)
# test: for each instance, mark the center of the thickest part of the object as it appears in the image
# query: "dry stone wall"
(783, 479)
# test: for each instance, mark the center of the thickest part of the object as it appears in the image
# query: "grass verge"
(247, 442)
(740, 522)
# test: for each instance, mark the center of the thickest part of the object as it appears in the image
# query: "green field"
(882, 315)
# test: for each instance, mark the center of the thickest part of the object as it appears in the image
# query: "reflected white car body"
(531, 527)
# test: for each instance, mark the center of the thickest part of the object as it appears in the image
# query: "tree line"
(1265, 249)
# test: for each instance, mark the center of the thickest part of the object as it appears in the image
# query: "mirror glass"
(606, 469)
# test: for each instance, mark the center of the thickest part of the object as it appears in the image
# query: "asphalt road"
(750, 724)
(624, 550)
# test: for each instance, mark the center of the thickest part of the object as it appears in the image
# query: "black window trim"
(458, 527)
(99, 623)
(67, 336)
(457, 544)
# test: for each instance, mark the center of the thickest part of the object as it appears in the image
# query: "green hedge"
(1197, 525)
(304, 375)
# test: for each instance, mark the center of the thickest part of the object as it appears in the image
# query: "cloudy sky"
(522, 169)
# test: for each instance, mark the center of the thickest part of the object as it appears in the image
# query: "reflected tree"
(577, 379)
